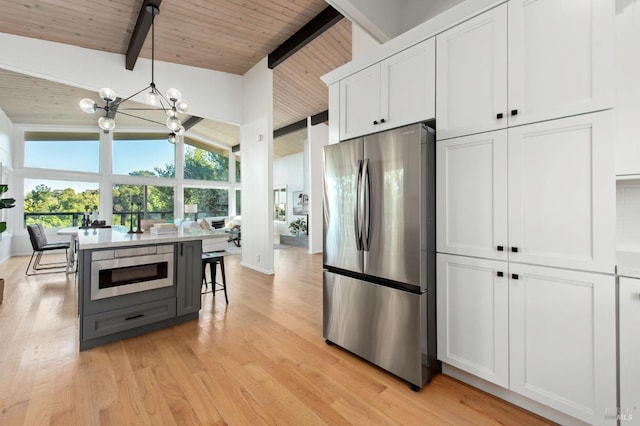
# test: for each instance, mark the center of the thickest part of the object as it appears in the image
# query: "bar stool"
(214, 259)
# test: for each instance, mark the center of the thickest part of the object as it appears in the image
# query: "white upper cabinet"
(471, 189)
(471, 88)
(360, 103)
(554, 58)
(562, 207)
(561, 59)
(562, 340)
(397, 91)
(408, 86)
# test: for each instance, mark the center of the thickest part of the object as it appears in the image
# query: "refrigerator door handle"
(357, 218)
(367, 207)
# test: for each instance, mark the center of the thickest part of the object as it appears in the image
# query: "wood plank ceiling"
(223, 35)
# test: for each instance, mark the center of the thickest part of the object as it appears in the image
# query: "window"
(211, 202)
(238, 202)
(205, 162)
(79, 152)
(280, 204)
(154, 202)
(57, 204)
(138, 154)
(238, 167)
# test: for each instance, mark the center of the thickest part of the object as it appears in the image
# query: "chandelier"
(171, 103)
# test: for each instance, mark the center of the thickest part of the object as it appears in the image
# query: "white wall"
(318, 138)
(7, 164)
(627, 103)
(212, 94)
(361, 41)
(418, 11)
(256, 140)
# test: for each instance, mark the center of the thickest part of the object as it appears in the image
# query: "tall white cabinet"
(523, 62)
(525, 211)
(629, 350)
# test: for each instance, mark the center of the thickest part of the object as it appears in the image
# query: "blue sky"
(83, 156)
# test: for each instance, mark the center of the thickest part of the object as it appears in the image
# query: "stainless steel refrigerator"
(379, 250)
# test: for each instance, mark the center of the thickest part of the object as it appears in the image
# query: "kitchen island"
(130, 284)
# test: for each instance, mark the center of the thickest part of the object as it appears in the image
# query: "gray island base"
(131, 284)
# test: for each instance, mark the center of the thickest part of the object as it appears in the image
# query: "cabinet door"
(473, 311)
(471, 195)
(560, 58)
(188, 276)
(563, 340)
(408, 86)
(360, 103)
(471, 88)
(629, 350)
(562, 193)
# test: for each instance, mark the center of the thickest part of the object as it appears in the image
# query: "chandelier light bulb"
(106, 123)
(181, 131)
(173, 94)
(109, 95)
(172, 138)
(88, 105)
(173, 123)
(171, 112)
(182, 105)
(153, 98)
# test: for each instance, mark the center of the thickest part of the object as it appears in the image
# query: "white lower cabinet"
(629, 311)
(562, 340)
(473, 316)
(548, 334)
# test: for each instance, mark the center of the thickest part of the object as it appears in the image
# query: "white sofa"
(220, 240)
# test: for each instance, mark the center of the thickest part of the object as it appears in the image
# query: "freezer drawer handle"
(514, 112)
(499, 115)
(514, 249)
(514, 276)
(500, 274)
(500, 248)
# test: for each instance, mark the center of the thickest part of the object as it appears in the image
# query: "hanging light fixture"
(171, 103)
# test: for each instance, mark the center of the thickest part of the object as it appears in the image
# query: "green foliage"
(5, 203)
(55, 208)
(297, 226)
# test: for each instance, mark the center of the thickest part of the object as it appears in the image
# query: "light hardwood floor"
(260, 360)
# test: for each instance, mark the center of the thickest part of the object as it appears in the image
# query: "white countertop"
(628, 263)
(117, 237)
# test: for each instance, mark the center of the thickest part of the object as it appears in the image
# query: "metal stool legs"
(213, 262)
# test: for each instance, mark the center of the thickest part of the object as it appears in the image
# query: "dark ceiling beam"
(191, 121)
(293, 127)
(321, 117)
(316, 26)
(139, 35)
